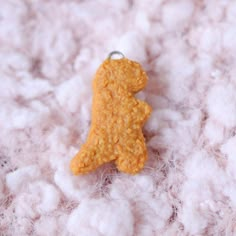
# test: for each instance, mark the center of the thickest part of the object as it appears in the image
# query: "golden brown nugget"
(117, 120)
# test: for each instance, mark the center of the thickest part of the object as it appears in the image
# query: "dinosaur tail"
(85, 160)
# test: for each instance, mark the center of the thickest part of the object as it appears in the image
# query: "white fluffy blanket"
(49, 52)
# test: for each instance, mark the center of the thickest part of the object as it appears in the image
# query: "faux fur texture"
(49, 52)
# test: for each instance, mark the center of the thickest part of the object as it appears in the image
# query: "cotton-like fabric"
(49, 53)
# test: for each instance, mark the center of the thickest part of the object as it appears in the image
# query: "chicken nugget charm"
(117, 119)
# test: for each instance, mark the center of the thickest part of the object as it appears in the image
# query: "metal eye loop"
(114, 54)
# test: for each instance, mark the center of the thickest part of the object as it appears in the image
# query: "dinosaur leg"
(132, 158)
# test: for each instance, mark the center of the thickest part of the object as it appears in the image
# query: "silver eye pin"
(114, 55)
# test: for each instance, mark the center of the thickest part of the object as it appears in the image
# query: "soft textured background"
(49, 52)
